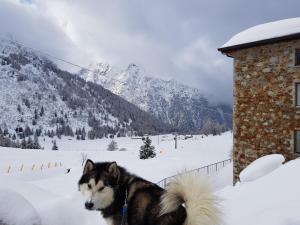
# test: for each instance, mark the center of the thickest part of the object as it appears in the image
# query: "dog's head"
(97, 184)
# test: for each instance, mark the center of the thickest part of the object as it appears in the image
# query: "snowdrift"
(16, 210)
(272, 199)
(261, 167)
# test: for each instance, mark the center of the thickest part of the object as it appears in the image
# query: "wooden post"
(42, 166)
(49, 165)
(8, 170)
(32, 168)
(21, 169)
(60, 164)
(55, 164)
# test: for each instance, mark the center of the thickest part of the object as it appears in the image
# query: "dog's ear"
(113, 170)
(89, 166)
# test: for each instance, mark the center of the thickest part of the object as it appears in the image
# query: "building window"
(297, 93)
(297, 57)
(297, 141)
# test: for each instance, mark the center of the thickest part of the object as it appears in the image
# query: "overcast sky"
(171, 39)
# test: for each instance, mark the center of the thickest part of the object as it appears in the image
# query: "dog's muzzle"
(89, 205)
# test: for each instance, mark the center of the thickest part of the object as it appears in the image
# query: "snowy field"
(53, 195)
(49, 196)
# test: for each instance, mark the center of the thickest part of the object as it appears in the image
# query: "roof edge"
(260, 42)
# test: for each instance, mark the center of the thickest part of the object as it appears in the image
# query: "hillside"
(38, 95)
(184, 107)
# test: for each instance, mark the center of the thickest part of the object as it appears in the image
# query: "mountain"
(38, 96)
(184, 107)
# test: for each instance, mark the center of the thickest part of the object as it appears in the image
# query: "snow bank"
(272, 199)
(261, 167)
(28, 204)
(16, 210)
(266, 31)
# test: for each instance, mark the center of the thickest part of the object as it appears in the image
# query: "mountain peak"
(133, 69)
(184, 107)
(102, 68)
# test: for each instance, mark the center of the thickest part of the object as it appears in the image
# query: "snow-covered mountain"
(184, 107)
(35, 93)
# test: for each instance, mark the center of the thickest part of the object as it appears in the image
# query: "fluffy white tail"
(196, 192)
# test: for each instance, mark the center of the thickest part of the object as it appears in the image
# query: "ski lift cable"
(58, 58)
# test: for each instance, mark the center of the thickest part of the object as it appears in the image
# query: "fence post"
(49, 165)
(42, 166)
(21, 169)
(8, 170)
(32, 168)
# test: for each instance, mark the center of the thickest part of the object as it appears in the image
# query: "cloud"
(26, 23)
(200, 54)
(203, 65)
(170, 39)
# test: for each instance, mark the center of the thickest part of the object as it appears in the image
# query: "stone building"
(266, 91)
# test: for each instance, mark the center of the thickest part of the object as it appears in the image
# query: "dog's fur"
(187, 200)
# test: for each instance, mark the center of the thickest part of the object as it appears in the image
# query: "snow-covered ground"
(50, 196)
(271, 199)
(191, 153)
(54, 195)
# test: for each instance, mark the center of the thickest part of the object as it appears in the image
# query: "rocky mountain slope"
(185, 108)
(36, 94)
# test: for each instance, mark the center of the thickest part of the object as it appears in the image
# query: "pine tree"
(36, 144)
(5, 132)
(36, 114)
(83, 134)
(29, 143)
(146, 150)
(54, 147)
(112, 146)
(42, 111)
(19, 108)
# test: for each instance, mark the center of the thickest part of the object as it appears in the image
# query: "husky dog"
(126, 199)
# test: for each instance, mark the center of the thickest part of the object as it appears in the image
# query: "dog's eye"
(89, 186)
(100, 189)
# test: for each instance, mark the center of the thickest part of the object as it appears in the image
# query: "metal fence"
(209, 170)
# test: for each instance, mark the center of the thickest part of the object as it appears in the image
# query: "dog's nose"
(89, 205)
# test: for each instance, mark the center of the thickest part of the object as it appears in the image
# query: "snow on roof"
(265, 31)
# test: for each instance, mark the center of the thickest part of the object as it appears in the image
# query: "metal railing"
(209, 170)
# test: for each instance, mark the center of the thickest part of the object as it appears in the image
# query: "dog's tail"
(196, 193)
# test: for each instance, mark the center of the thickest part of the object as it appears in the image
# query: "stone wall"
(265, 116)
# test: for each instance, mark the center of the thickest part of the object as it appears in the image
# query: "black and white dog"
(124, 198)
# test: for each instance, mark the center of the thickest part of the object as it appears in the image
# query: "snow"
(51, 196)
(272, 199)
(261, 167)
(265, 31)
(54, 194)
(159, 97)
(17, 204)
(208, 149)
